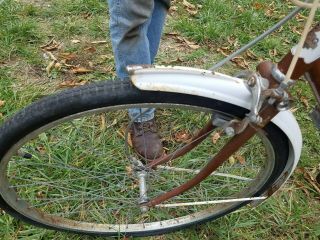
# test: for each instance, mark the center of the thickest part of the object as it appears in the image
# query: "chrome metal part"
(142, 176)
(257, 85)
(230, 131)
(277, 74)
(220, 120)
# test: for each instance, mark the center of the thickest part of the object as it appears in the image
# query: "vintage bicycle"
(66, 161)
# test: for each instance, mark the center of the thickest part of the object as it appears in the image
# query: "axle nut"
(229, 131)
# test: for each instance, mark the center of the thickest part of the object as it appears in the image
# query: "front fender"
(221, 87)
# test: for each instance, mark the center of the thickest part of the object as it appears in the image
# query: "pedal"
(315, 116)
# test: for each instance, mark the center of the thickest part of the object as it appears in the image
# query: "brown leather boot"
(146, 140)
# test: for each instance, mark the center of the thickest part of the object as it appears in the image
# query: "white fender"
(217, 86)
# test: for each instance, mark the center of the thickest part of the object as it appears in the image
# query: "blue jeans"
(136, 27)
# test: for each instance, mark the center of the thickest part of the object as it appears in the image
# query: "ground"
(47, 46)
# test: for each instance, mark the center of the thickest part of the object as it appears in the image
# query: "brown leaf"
(178, 60)
(174, 34)
(240, 159)
(103, 122)
(41, 150)
(295, 30)
(50, 67)
(305, 101)
(293, 110)
(241, 62)
(257, 5)
(300, 17)
(58, 66)
(190, 44)
(91, 49)
(192, 12)
(50, 55)
(2, 103)
(232, 160)
(216, 136)
(240, 8)
(182, 136)
(129, 171)
(75, 41)
(312, 181)
(72, 83)
(232, 41)
(81, 70)
(223, 50)
(273, 52)
(51, 45)
(251, 55)
(99, 42)
(122, 134)
(303, 188)
(188, 5)
(68, 56)
(40, 194)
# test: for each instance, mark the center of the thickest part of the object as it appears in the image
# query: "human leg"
(129, 24)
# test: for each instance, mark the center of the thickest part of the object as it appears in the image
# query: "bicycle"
(56, 139)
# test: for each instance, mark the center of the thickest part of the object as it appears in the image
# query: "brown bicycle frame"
(267, 112)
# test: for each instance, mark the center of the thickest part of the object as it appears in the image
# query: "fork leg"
(267, 113)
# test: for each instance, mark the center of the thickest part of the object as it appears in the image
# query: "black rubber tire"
(111, 93)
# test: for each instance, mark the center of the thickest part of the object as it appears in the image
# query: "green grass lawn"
(196, 35)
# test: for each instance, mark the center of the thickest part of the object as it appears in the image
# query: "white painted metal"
(216, 86)
(309, 55)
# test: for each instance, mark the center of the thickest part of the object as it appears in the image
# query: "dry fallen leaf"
(241, 62)
(293, 110)
(225, 51)
(182, 136)
(68, 56)
(232, 160)
(50, 67)
(257, 6)
(49, 55)
(103, 122)
(251, 55)
(305, 102)
(2, 103)
(273, 52)
(188, 5)
(240, 159)
(51, 45)
(81, 70)
(129, 171)
(91, 49)
(75, 41)
(216, 136)
(99, 42)
(41, 150)
(190, 44)
(72, 83)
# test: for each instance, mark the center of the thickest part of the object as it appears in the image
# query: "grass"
(293, 213)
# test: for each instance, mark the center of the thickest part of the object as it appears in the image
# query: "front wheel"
(64, 164)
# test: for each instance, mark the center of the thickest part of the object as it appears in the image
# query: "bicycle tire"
(110, 94)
